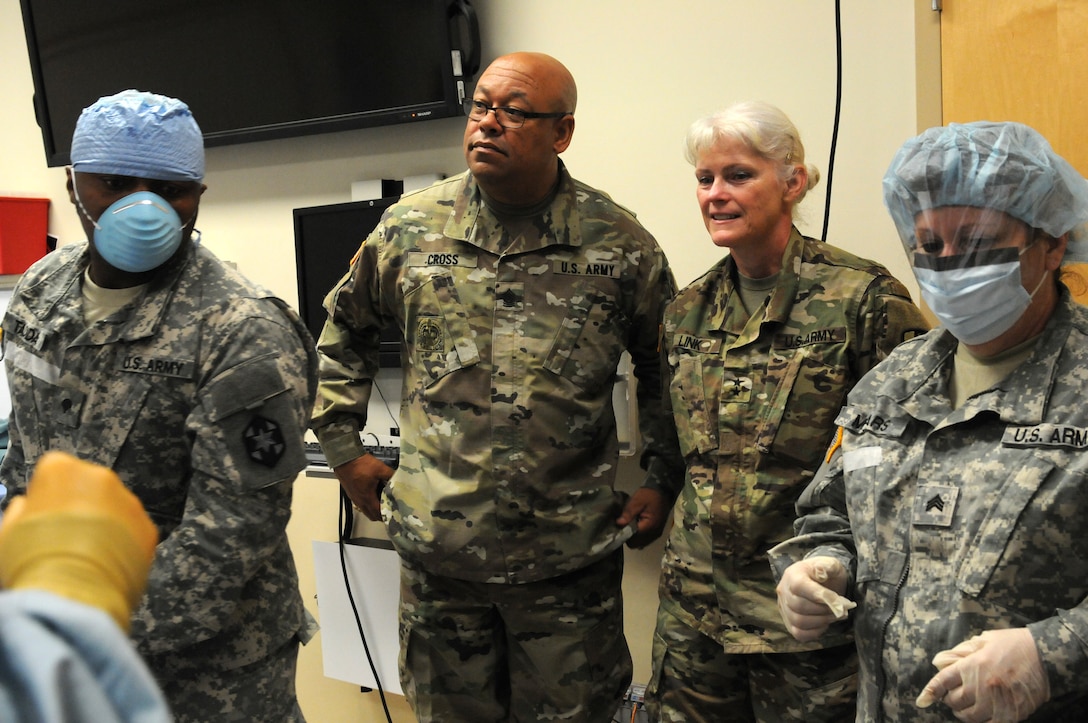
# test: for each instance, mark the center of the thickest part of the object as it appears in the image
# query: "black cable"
(838, 110)
(388, 410)
(346, 523)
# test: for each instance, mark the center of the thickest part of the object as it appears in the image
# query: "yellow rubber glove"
(78, 532)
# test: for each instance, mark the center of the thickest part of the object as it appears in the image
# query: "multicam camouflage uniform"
(754, 399)
(508, 444)
(960, 521)
(197, 395)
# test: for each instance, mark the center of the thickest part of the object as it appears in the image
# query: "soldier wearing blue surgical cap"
(951, 509)
(140, 350)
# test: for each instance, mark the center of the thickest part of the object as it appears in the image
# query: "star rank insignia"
(263, 441)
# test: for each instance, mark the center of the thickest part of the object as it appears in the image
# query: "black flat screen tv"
(326, 239)
(253, 70)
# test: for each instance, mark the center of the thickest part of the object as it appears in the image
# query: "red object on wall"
(24, 225)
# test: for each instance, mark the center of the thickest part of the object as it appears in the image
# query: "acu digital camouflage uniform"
(952, 523)
(197, 394)
(508, 444)
(754, 397)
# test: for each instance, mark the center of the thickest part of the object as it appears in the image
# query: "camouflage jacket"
(508, 441)
(754, 401)
(197, 394)
(956, 522)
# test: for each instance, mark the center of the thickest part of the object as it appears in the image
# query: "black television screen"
(253, 69)
(326, 239)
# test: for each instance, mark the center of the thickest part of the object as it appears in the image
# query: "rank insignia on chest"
(263, 441)
(935, 505)
(736, 389)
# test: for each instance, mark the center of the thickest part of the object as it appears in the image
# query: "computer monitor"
(326, 239)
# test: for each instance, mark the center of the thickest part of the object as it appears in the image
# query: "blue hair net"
(1007, 166)
(139, 134)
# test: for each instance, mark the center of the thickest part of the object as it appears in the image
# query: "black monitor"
(252, 70)
(326, 239)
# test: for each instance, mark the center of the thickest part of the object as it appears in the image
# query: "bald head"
(550, 78)
(518, 163)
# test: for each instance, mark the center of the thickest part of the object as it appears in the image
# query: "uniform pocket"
(694, 425)
(800, 419)
(437, 332)
(1025, 540)
(587, 347)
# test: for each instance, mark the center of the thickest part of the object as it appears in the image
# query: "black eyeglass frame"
(515, 117)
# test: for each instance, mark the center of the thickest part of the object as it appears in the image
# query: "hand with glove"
(996, 676)
(810, 597)
(79, 533)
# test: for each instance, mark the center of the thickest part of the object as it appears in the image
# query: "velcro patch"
(934, 505)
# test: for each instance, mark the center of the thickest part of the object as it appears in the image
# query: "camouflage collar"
(473, 223)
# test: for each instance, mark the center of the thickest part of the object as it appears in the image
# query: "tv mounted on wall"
(253, 69)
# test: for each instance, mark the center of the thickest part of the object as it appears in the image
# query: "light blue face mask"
(137, 233)
(976, 302)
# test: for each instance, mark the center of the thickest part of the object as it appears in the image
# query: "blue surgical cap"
(1006, 166)
(139, 134)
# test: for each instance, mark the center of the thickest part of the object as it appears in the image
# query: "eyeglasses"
(505, 116)
(970, 243)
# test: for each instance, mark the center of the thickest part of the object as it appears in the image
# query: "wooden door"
(1020, 60)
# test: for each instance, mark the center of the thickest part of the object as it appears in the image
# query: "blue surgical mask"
(137, 233)
(977, 302)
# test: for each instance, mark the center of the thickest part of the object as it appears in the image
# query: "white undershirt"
(99, 302)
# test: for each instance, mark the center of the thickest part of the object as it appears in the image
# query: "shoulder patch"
(263, 441)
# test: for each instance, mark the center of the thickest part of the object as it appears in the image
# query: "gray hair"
(763, 128)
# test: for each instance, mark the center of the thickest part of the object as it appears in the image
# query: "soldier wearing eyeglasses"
(951, 509)
(517, 289)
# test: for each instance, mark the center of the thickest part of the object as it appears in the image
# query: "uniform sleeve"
(661, 450)
(1062, 642)
(247, 428)
(73, 662)
(13, 472)
(823, 524)
(348, 352)
(886, 318)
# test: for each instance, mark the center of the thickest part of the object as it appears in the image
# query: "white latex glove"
(810, 597)
(996, 676)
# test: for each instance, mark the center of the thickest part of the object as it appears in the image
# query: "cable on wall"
(838, 110)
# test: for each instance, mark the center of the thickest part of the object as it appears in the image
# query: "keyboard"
(389, 454)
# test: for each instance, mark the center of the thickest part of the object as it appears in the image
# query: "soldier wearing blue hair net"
(952, 507)
(138, 349)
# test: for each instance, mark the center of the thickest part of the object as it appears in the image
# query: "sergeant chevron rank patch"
(935, 505)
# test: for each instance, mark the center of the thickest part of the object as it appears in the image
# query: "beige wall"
(644, 73)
